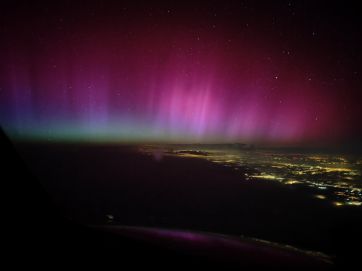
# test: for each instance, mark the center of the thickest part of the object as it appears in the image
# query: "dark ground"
(89, 182)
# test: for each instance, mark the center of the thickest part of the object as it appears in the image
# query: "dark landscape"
(119, 185)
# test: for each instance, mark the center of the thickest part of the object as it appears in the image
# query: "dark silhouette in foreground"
(40, 230)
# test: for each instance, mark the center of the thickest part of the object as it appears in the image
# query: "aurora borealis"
(228, 72)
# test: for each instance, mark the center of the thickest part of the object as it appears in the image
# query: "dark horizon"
(353, 148)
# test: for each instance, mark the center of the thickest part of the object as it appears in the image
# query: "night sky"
(280, 72)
